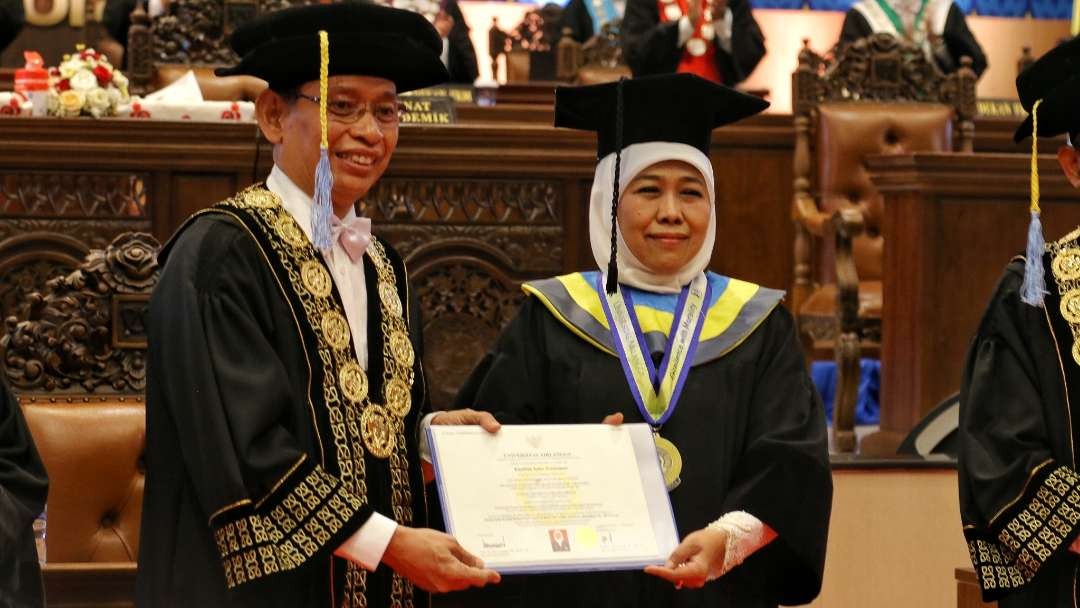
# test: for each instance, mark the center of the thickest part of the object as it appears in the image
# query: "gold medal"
(377, 429)
(315, 278)
(335, 330)
(398, 397)
(672, 12)
(696, 47)
(354, 382)
(670, 461)
(389, 297)
(1066, 265)
(401, 348)
(289, 231)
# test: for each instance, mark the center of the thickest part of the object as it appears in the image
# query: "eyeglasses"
(348, 111)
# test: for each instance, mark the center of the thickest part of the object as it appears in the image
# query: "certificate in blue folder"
(555, 498)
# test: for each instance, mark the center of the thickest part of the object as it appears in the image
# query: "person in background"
(23, 488)
(938, 26)
(718, 40)
(586, 17)
(12, 18)
(458, 53)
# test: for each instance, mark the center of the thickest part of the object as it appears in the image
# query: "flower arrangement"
(86, 84)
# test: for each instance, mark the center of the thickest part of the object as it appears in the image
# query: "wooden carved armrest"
(805, 212)
(846, 224)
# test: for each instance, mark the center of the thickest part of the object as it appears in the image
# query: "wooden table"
(89, 585)
(968, 594)
(953, 222)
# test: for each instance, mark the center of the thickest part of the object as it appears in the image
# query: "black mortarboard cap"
(678, 108)
(366, 39)
(1055, 79)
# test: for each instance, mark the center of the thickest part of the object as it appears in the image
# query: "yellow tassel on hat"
(324, 177)
(1034, 287)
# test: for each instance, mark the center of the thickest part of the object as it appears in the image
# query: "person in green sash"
(938, 26)
(711, 362)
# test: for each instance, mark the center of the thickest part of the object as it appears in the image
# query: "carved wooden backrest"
(468, 244)
(192, 33)
(85, 333)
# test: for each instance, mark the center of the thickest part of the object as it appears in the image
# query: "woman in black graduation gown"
(754, 483)
(937, 25)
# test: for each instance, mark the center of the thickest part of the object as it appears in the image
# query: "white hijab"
(635, 159)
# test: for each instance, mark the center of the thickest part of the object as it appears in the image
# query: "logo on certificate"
(560, 542)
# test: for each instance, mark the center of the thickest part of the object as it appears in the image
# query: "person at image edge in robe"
(1019, 486)
(284, 349)
(718, 40)
(743, 437)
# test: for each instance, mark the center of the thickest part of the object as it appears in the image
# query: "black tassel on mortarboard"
(612, 286)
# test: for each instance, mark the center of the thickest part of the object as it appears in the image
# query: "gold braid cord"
(1065, 264)
(357, 422)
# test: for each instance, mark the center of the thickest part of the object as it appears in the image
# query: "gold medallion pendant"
(398, 397)
(670, 461)
(696, 47)
(377, 429)
(354, 382)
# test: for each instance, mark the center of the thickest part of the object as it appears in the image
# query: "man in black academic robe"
(653, 46)
(576, 15)
(461, 56)
(1019, 431)
(282, 459)
(949, 38)
(23, 488)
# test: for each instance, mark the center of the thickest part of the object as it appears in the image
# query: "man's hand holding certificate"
(551, 498)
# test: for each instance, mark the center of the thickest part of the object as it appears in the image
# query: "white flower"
(119, 79)
(84, 80)
(72, 103)
(98, 102)
(115, 96)
(68, 69)
(54, 103)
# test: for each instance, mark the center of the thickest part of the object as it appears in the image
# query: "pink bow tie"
(354, 235)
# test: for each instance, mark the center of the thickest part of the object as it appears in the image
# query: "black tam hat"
(283, 47)
(679, 108)
(1054, 79)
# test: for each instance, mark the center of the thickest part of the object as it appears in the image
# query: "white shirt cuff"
(686, 30)
(425, 449)
(722, 27)
(445, 54)
(367, 545)
(745, 535)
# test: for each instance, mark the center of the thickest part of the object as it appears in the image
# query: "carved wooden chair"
(597, 61)
(77, 363)
(193, 35)
(879, 95)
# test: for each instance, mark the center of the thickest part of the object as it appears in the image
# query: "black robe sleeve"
(855, 27)
(960, 42)
(576, 17)
(463, 67)
(12, 17)
(652, 47)
(1019, 500)
(227, 394)
(23, 488)
(783, 476)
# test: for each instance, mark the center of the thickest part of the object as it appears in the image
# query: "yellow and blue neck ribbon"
(1034, 287)
(323, 206)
